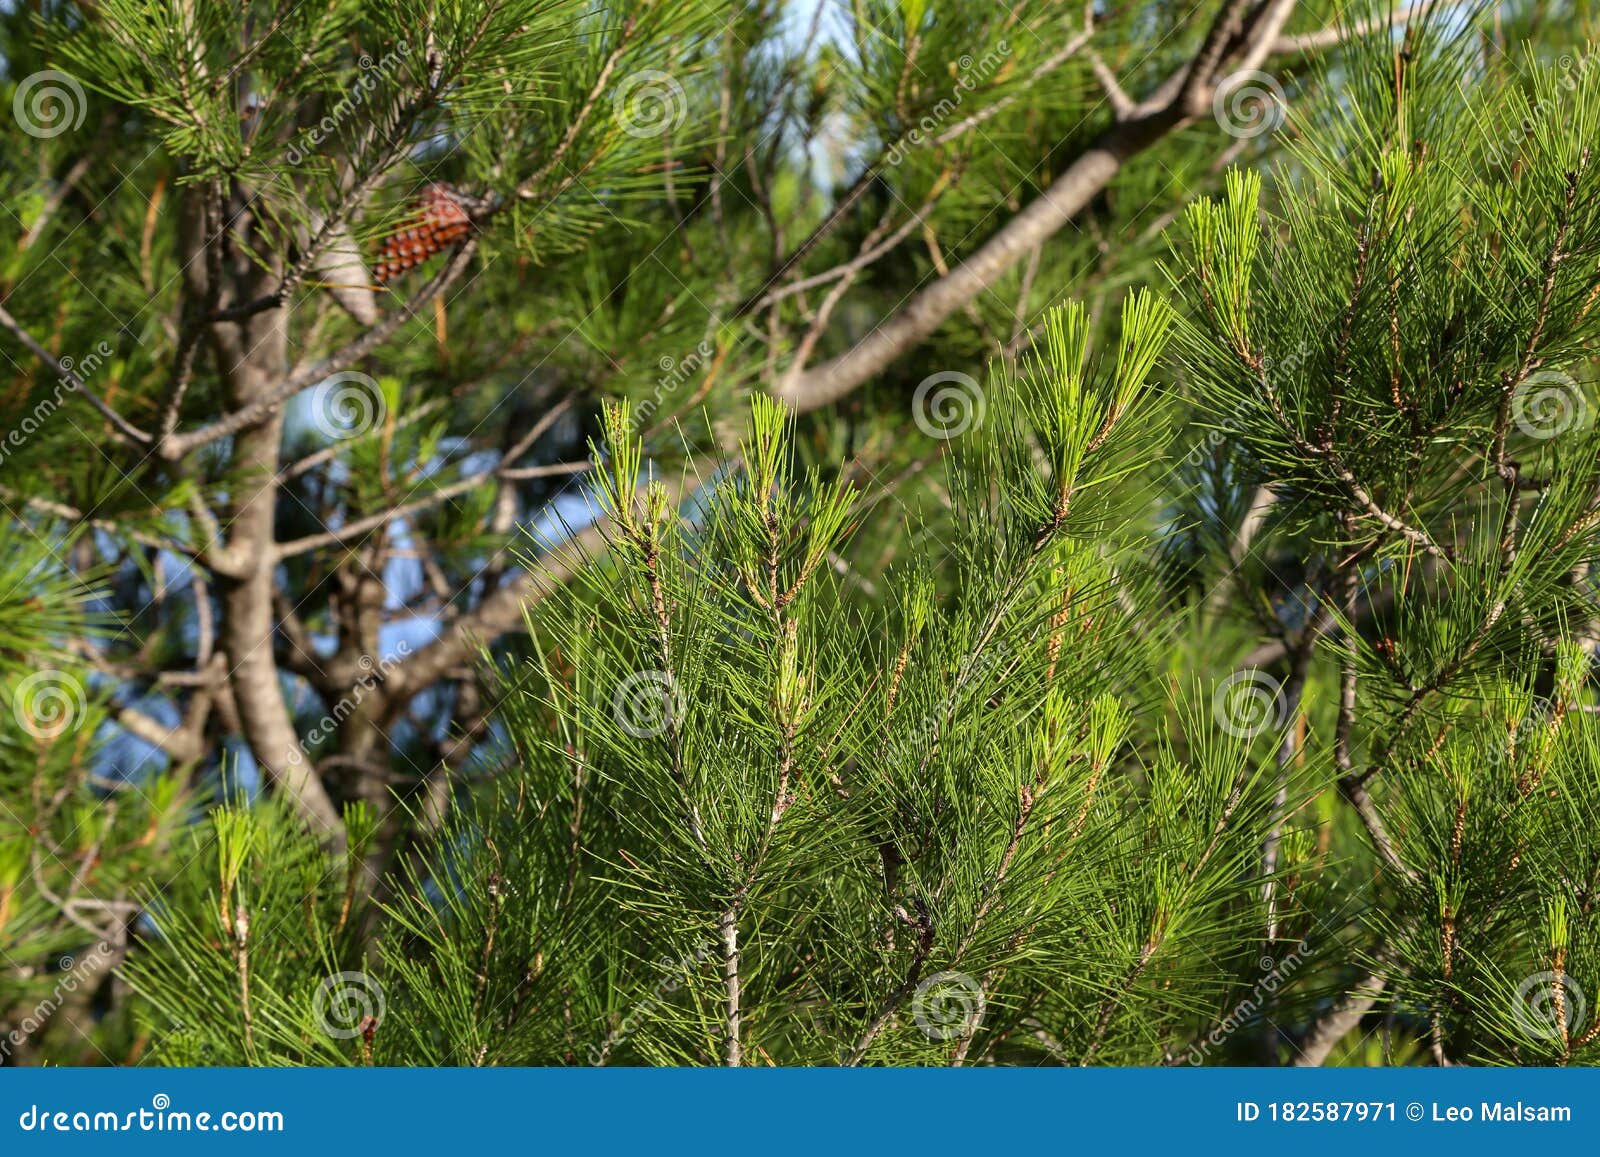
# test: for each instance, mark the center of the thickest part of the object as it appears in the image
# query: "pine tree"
(1396, 351)
(730, 839)
(989, 646)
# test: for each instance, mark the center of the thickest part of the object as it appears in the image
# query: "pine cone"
(443, 219)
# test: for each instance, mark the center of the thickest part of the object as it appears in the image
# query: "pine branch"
(1338, 1022)
(122, 429)
(1185, 94)
(271, 397)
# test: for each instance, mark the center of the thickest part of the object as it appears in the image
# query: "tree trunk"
(253, 356)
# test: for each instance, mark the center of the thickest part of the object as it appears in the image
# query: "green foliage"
(1223, 675)
(1399, 349)
(728, 836)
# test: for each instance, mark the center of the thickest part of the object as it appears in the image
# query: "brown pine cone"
(442, 221)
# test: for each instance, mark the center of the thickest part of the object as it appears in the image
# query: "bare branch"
(1122, 105)
(1172, 105)
(1339, 1021)
(179, 445)
(445, 493)
(1343, 34)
